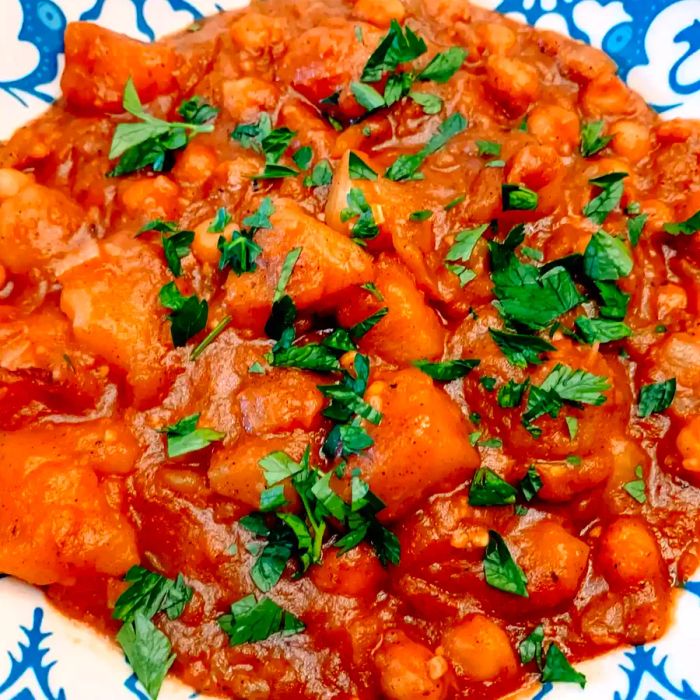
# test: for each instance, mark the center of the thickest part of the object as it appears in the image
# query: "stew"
(351, 351)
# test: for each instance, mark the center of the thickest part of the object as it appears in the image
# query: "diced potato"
(329, 263)
(629, 554)
(553, 560)
(407, 670)
(99, 62)
(411, 330)
(421, 445)
(235, 471)
(38, 226)
(480, 649)
(356, 573)
(281, 401)
(112, 300)
(55, 521)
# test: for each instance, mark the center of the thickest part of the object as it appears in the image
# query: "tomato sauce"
(544, 499)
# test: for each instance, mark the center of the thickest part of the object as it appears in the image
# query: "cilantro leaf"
(609, 198)
(602, 330)
(188, 316)
(656, 398)
(252, 620)
(220, 221)
(148, 652)
(312, 356)
(175, 247)
(489, 489)
(576, 385)
(359, 170)
(447, 370)
(286, 271)
(321, 175)
(613, 302)
(511, 393)
(275, 171)
(530, 649)
(260, 218)
(422, 215)
(431, 104)
(397, 86)
(365, 227)
(443, 65)
(606, 257)
(303, 157)
(557, 668)
(397, 46)
(592, 139)
(152, 141)
(519, 348)
(151, 593)
(637, 488)
(518, 197)
(240, 253)
(184, 436)
(687, 227)
(635, 226)
(530, 484)
(501, 570)
(367, 96)
(488, 148)
(460, 252)
(363, 327)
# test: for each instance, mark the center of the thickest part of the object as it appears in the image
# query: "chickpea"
(629, 554)
(495, 38)
(606, 95)
(631, 139)
(448, 12)
(534, 166)
(688, 443)
(151, 196)
(480, 649)
(245, 97)
(259, 33)
(515, 84)
(205, 244)
(380, 12)
(195, 165)
(555, 126)
(12, 181)
(406, 671)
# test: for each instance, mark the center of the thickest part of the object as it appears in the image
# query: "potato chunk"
(112, 300)
(99, 62)
(55, 521)
(421, 445)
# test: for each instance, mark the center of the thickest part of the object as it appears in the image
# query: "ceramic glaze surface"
(656, 43)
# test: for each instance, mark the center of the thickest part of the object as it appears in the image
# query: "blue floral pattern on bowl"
(656, 43)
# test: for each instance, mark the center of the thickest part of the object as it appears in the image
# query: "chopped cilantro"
(518, 197)
(602, 330)
(188, 316)
(500, 569)
(365, 227)
(489, 383)
(286, 271)
(447, 370)
(256, 368)
(572, 426)
(363, 327)
(519, 348)
(497, 163)
(239, 253)
(687, 227)
(443, 65)
(359, 170)
(184, 436)
(367, 96)
(612, 302)
(150, 593)
(252, 620)
(511, 393)
(530, 484)
(488, 148)
(454, 202)
(609, 198)
(261, 217)
(431, 104)
(372, 289)
(592, 139)
(530, 649)
(656, 398)
(637, 488)
(422, 215)
(635, 226)
(489, 489)
(397, 46)
(557, 668)
(460, 252)
(320, 176)
(303, 157)
(152, 141)
(211, 337)
(606, 257)
(220, 221)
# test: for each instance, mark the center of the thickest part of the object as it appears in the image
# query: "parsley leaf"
(511, 393)
(687, 227)
(197, 111)
(443, 65)
(303, 156)
(312, 356)
(609, 198)
(501, 570)
(637, 488)
(240, 253)
(363, 327)
(252, 620)
(211, 337)
(530, 649)
(189, 314)
(489, 489)
(365, 227)
(398, 46)
(656, 398)
(431, 104)
(261, 217)
(286, 271)
(557, 668)
(367, 96)
(635, 226)
(321, 175)
(422, 215)
(530, 484)
(359, 170)
(613, 302)
(606, 257)
(518, 197)
(488, 148)
(460, 252)
(519, 348)
(447, 370)
(152, 141)
(602, 330)
(151, 593)
(220, 221)
(184, 436)
(592, 139)
(148, 652)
